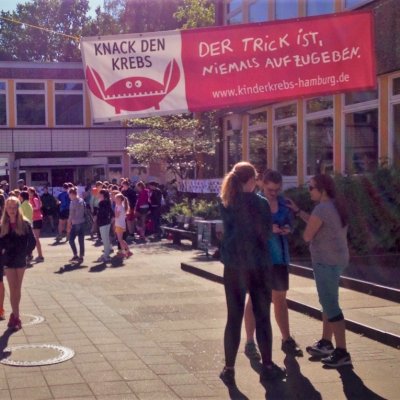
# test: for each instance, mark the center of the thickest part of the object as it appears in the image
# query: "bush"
(373, 202)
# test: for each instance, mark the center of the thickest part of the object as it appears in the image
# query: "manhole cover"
(30, 319)
(31, 355)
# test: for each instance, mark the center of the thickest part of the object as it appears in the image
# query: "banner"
(225, 67)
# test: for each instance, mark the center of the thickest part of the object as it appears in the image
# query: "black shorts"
(15, 262)
(280, 277)
(64, 214)
(1, 272)
(37, 224)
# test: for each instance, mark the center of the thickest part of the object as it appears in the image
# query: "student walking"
(121, 207)
(105, 215)
(271, 185)
(76, 224)
(49, 207)
(142, 209)
(326, 231)
(244, 253)
(37, 219)
(63, 202)
(16, 242)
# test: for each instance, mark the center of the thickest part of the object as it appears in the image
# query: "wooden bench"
(179, 233)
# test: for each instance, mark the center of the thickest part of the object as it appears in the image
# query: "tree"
(25, 43)
(196, 14)
(181, 141)
(176, 140)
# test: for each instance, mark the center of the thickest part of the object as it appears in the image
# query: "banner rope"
(76, 38)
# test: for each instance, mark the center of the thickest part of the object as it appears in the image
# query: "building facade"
(46, 131)
(342, 133)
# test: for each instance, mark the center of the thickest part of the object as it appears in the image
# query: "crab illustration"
(134, 93)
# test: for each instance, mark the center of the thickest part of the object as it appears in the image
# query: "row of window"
(240, 11)
(360, 127)
(30, 104)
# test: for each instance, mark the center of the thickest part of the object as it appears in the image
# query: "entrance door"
(60, 176)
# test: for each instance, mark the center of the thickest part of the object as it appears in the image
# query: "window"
(286, 111)
(318, 7)
(31, 103)
(234, 144)
(396, 135)
(257, 118)
(287, 149)
(114, 160)
(396, 87)
(69, 103)
(234, 5)
(317, 104)
(361, 141)
(235, 12)
(355, 3)
(3, 104)
(360, 97)
(258, 11)
(285, 9)
(258, 149)
(320, 146)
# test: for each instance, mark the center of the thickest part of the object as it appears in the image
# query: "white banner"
(138, 75)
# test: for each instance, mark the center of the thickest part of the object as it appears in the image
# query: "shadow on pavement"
(298, 384)
(236, 394)
(98, 268)
(70, 268)
(4, 343)
(354, 387)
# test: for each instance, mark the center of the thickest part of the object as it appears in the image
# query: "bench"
(178, 234)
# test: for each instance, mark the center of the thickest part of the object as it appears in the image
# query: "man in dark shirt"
(155, 207)
(131, 195)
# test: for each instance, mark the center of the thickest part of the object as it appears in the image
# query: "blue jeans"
(105, 238)
(77, 230)
(327, 280)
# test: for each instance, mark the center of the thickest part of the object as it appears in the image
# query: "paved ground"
(146, 330)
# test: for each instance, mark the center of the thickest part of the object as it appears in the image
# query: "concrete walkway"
(144, 329)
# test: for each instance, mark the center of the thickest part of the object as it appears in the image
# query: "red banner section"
(255, 63)
(171, 72)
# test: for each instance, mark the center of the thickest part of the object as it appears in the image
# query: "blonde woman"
(16, 242)
(244, 253)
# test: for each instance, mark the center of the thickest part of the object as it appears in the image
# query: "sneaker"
(228, 376)
(322, 348)
(39, 259)
(2, 314)
(251, 351)
(272, 372)
(80, 259)
(74, 258)
(338, 358)
(128, 254)
(290, 347)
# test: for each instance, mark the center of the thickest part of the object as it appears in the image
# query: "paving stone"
(73, 391)
(101, 376)
(63, 377)
(138, 374)
(197, 390)
(146, 386)
(33, 393)
(110, 388)
(180, 379)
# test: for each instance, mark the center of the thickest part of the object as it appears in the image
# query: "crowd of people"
(106, 210)
(255, 255)
(254, 251)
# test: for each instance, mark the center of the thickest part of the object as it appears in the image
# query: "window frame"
(276, 123)
(310, 116)
(393, 100)
(362, 3)
(41, 92)
(352, 108)
(5, 92)
(67, 92)
(256, 128)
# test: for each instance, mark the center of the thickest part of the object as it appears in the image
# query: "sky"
(9, 5)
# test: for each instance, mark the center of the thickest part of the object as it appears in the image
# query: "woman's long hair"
(234, 180)
(124, 201)
(20, 227)
(326, 182)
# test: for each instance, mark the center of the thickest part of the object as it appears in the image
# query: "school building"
(342, 133)
(46, 131)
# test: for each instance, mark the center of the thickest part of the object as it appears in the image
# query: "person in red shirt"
(142, 208)
(37, 219)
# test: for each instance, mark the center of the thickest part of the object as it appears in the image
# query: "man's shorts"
(280, 277)
(64, 214)
(37, 224)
